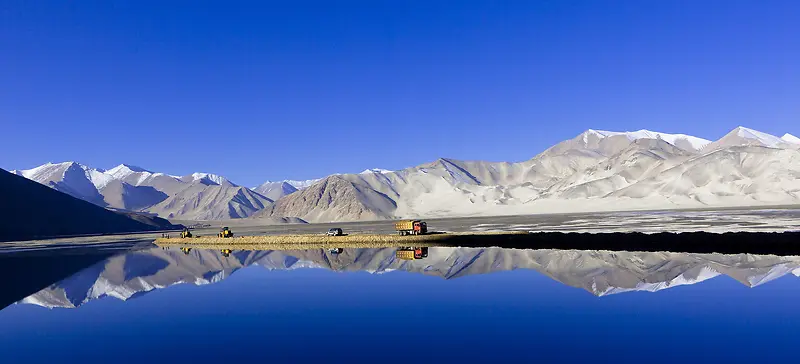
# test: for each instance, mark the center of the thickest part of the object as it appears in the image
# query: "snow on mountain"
(127, 187)
(45, 171)
(772, 273)
(275, 190)
(302, 184)
(32, 210)
(55, 171)
(789, 138)
(744, 136)
(71, 178)
(81, 181)
(138, 176)
(299, 185)
(211, 177)
(741, 174)
(643, 158)
(686, 278)
(595, 171)
(99, 178)
(376, 170)
(763, 138)
(679, 140)
(123, 170)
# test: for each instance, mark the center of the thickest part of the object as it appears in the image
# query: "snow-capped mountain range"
(199, 196)
(594, 171)
(601, 273)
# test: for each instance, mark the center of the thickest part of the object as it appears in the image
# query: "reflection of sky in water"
(317, 314)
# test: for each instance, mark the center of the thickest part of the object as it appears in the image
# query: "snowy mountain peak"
(48, 171)
(64, 165)
(123, 170)
(679, 140)
(376, 170)
(789, 138)
(439, 162)
(297, 184)
(211, 177)
(275, 190)
(133, 168)
(99, 178)
(765, 139)
(600, 133)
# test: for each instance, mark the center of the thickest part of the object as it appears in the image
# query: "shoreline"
(787, 243)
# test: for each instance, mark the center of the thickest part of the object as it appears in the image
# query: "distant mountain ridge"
(199, 196)
(594, 171)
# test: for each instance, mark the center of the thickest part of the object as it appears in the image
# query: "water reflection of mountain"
(599, 272)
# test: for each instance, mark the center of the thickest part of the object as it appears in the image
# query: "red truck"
(411, 227)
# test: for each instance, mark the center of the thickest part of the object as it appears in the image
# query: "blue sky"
(302, 89)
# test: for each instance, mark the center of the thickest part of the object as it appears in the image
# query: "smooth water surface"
(367, 305)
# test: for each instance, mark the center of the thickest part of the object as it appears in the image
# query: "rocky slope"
(211, 202)
(332, 198)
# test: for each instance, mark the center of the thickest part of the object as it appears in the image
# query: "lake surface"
(368, 305)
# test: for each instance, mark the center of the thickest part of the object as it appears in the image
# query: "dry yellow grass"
(292, 242)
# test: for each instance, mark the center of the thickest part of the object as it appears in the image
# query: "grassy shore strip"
(304, 239)
(300, 242)
(693, 242)
(290, 246)
(322, 241)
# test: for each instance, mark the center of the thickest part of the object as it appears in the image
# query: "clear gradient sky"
(302, 89)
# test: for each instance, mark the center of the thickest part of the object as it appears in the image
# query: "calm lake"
(369, 305)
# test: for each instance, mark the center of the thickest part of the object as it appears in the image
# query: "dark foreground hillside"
(29, 210)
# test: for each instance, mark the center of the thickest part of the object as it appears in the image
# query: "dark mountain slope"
(29, 210)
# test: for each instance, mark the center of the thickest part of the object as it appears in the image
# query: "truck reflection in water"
(411, 253)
